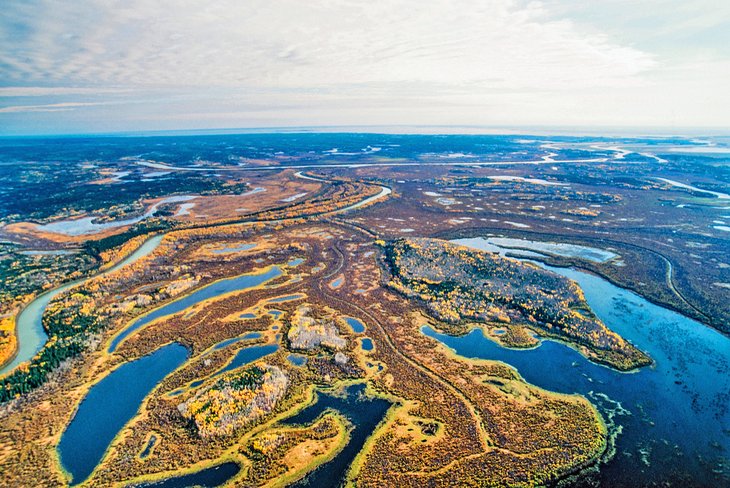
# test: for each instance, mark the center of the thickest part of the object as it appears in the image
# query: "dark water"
(365, 414)
(109, 405)
(209, 477)
(212, 290)
(148, 447)
(674, 416)
(243, 357)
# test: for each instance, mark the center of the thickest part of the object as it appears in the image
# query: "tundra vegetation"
(453, 420)
(460, 285)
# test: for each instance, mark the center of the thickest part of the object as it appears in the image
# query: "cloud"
(306, 44)
(317, 62)
(42, 91)
(52, 107)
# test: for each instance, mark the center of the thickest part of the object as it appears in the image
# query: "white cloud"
(44, 91)
(51, 107)
(310, 44)
(340, 61)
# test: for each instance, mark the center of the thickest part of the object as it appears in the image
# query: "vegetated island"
(460, 285)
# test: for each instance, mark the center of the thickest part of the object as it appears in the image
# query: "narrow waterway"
(29, 327)
(217, 288)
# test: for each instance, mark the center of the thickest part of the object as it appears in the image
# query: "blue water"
(247, 355)
(214, 289)
(367, 344)
(295, 262)
(297, 360)
(356, 326)
(109, 405)
(674, 415)
(247, 316)
(209, 477)
(364, 413)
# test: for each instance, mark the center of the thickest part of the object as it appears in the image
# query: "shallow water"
(31, 334)
(234, 249)
(364, 413)
(674, 416)
(109, 405)
(516, 247)
(88, 225)
(212, 290)
(297, 359)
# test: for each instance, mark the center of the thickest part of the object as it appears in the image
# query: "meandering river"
(29, 326)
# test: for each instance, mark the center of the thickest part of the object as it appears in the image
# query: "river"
(29, 326)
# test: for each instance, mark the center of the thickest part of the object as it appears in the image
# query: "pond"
(148, 447)
(220, 287)
(674, 416)
(364, 412)
(30, 332)
(356, 325)
(234, 249)
(109, 405)
(297, 359)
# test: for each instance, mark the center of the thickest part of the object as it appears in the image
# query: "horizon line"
(468, 129)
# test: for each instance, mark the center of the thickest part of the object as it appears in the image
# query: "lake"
(673, 417)
(109, 405)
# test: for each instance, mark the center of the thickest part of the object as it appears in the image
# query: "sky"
(91, 66)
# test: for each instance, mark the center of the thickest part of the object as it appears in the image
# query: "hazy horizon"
(528, 131)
